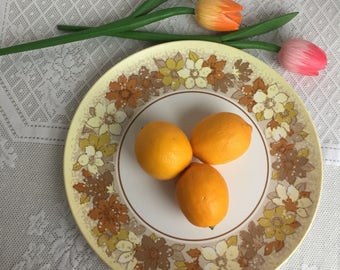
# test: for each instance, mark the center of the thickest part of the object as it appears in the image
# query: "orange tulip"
(218, 15)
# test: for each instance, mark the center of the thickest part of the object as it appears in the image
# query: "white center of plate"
(154, 203)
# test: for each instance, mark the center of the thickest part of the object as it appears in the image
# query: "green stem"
(260, 28)
(147, 36)
(112, 28)
(162, 37)
(251, 44)
(146, 7)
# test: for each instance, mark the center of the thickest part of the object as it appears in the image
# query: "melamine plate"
(133, 221)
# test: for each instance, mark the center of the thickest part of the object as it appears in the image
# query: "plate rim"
(190, 44)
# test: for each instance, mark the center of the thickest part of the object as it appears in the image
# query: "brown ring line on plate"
(127, 198)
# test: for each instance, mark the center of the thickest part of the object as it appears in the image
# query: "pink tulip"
(303, 57)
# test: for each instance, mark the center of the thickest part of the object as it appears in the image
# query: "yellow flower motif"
(170, 72)
(269, 104)
(195, 74)
(107, 119)
(223, 257)
(278, 223)
(95, 148)
(287, 115)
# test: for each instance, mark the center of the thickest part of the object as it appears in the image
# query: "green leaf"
(112, 28)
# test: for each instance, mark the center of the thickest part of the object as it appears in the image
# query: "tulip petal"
(303, 57)
(221, 16)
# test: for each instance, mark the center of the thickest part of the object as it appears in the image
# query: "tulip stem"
(146, 36)
(163, 37)
(252, 44)
(112, 28)
(260, 28)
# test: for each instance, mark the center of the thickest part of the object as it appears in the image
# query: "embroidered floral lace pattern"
(133, 246)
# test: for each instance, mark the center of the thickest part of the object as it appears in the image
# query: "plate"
(133, 221)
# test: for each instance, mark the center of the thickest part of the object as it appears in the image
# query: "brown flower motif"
(95, 187)
(150, 82)
(280, 147)
(252, 240)
(124, 91)
(217, 78)
(111, 214)
(154, 253)
(251, 264)
(194, 264)
(248, 92)
(242, 70)
(290, 166)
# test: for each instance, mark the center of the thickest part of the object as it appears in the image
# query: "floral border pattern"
(133, 246)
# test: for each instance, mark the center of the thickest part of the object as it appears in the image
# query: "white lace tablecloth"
(40, 91)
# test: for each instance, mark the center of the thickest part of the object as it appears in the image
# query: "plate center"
(154, 203)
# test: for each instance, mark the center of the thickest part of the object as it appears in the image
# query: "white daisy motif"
(278, 132)
(223, 257)
(107, 119)
(270, 103)
(127, 260)
(292, 196)
(91, 159)
(195, 74)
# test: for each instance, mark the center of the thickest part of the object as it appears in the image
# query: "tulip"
(218, 15)
(303, 57)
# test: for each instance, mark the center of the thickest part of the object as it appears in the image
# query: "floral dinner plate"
(133, 221)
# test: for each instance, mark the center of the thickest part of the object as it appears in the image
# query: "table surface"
(40, 91)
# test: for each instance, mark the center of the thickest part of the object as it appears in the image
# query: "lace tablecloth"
(40, 91)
